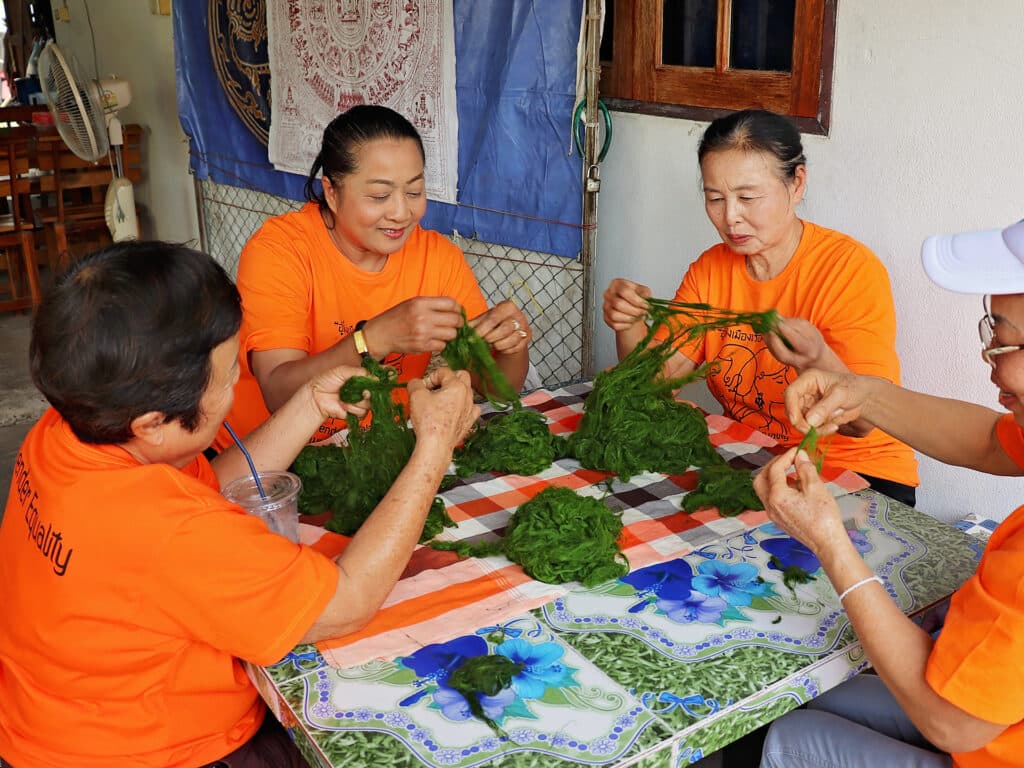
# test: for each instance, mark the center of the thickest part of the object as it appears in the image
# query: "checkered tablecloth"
(441, 596)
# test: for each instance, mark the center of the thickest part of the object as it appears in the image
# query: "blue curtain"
(516, 75)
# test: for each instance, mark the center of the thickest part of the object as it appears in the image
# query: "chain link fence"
(549, 289)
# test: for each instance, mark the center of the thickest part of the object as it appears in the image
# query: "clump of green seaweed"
(557, 537)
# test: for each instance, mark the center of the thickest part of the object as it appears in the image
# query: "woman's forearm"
(280, 373)
(951, 431)
(276, 442)
(515, 367)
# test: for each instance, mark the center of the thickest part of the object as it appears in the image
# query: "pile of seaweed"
(557, 537)
(518, 442)
(350, 480)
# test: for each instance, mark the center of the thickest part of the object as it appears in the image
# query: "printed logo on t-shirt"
(49, 542)
(750, 383)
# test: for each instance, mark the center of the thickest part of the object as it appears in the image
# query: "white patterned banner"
(328, 56)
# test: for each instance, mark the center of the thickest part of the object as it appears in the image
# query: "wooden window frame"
(641, 83)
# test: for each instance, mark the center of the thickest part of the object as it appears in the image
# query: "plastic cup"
(280, 510)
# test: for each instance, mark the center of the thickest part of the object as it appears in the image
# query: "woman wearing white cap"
(959, 699)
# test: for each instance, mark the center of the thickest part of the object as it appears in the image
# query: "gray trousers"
(855, 725)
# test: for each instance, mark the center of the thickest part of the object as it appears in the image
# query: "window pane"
(689, 28)
(762, 35)
(607, 32)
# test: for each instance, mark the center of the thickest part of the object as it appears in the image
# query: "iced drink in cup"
(280, 510)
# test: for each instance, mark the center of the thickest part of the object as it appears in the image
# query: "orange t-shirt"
(976, 661)
(299, 292)
(129, 594)
(833, 282)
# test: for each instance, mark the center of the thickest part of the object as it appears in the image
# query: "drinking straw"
(248, 458)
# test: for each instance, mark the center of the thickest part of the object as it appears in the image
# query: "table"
(627, 673)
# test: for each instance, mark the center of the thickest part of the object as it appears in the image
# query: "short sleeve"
(226, 580)
(275, 281)
(1011, 437)
(462, 283)
(858, 317)
(975, 663)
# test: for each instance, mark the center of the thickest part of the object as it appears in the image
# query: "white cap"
(989, 261)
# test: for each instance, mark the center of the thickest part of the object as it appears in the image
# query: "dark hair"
(756, 130)
(128, 330)
(345, 135)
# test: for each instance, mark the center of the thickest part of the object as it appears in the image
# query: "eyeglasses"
(986, 331)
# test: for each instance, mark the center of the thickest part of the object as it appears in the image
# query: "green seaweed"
(810, 445)
(350, 480)
(483, 676)
(517, 442)
(730, 490)
(557, 537)
(469, 352)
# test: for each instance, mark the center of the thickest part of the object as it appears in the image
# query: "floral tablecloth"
(658, 668)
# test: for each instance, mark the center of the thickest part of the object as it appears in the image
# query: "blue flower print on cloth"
(860, 541)
(790, 553)
(736, 583)
(542, 670)
(696, 607)
(542, 667)
(434, 663)
(454, 706)
(671, 581)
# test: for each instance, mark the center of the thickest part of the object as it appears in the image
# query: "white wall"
(134, 43)
(926, 137)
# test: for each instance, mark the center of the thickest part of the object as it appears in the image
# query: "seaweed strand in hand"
(810, 444)
(469, 352)
(517, 442)
(350, 480)
(688, 322)
(557, 537)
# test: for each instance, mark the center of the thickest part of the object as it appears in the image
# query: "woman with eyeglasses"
(833, 292)
(959, 699)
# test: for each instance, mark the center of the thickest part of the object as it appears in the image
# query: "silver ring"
(515, 325)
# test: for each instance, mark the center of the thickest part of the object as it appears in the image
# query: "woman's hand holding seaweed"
(325, 387)
(441, 407)
(826, 400)
(625, 304)
(799, 343)
(805, 510)
(505, 328)
(420, 324)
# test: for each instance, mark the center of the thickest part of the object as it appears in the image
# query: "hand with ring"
(504, 327)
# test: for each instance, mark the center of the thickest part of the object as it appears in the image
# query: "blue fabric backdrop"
(516, 74)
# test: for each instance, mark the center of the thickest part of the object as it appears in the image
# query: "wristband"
(360, 340)
(858, 585)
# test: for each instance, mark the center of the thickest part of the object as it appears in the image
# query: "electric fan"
(85, 113)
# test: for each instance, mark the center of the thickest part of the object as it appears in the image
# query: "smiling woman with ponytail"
(353, 274)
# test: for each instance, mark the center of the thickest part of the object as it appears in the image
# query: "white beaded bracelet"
(861, 583)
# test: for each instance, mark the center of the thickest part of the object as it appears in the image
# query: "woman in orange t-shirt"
(832, 292)
(131, 588)
(353, 274)
(957, 699)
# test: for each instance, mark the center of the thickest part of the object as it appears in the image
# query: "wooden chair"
(75, 217)
(16, 241)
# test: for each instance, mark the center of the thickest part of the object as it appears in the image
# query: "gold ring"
(522, 333)
(515, 325)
